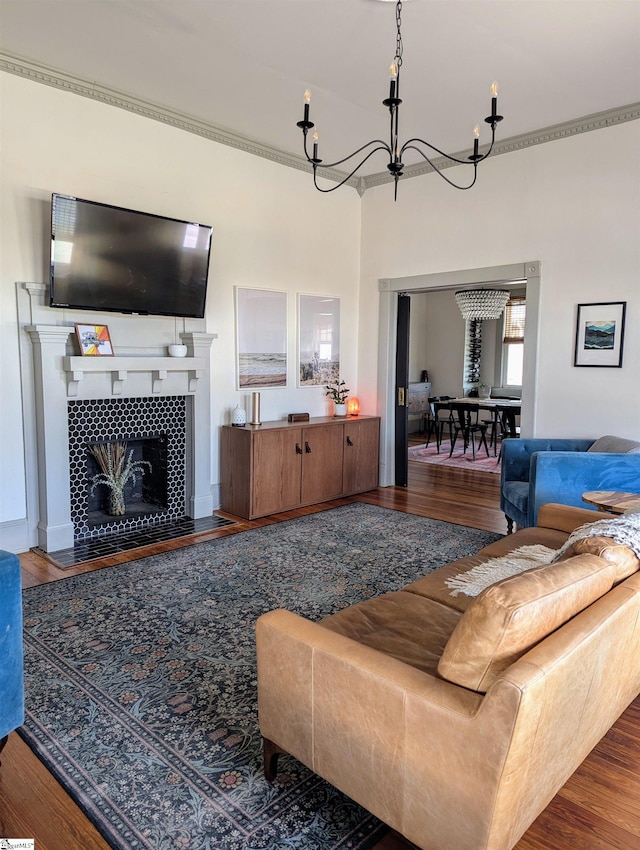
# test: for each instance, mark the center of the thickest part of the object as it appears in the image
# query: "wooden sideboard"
(282, 465)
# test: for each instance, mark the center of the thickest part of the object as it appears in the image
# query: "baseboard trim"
(15, 536)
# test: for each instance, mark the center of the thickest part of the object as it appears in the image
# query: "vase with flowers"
(339, 393)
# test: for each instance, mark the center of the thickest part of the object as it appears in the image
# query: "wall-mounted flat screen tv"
(111, 259)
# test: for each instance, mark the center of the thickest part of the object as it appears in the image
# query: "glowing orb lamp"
(353, 406)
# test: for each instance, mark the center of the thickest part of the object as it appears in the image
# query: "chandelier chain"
(398, 56)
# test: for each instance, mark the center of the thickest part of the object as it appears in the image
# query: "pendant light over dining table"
(476, 306)
(394, 150)
(482, 303)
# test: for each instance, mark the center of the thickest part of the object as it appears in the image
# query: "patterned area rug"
(141, 679)
(459, 459)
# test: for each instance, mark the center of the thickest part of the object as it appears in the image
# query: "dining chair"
(440, 416)
(466, 422)
(506, 424)
(494, 427)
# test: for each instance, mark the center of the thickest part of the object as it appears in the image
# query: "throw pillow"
(619, 445)
(513, 615)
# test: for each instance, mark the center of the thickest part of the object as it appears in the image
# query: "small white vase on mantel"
(339, 409)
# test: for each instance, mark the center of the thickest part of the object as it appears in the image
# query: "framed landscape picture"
(261, 338)
(318, 340)
(600, 334)
(94, 340)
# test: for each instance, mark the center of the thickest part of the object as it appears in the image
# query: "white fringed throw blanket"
(624, 529)
(473, 581)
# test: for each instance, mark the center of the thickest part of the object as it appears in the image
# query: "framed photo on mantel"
(94, 340)
(600, 334)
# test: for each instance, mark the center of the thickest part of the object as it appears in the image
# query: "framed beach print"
(318, 340)
(94, 340)
(261, 338)
(600, 334)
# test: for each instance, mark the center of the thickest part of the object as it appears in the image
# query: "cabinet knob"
(349, 441)
(307, 447)
(298, 449)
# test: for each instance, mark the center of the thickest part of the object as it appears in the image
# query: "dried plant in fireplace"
(117, 467)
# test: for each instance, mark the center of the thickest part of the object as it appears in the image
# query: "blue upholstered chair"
(11, 657)
(537, 471)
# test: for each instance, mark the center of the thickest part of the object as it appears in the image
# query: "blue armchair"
(11, 656)
(537, 471)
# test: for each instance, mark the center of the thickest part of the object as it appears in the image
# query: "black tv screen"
(108, 258)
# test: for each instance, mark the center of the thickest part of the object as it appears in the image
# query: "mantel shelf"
(132, 364)
(119, 367)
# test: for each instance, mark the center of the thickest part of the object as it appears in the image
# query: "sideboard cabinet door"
(276, 464)
(321, 464)
(361, 455)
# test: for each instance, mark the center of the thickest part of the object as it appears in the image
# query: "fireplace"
(155, 432)
(135, 397)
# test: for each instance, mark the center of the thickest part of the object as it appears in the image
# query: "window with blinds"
(514, 319)
(513, 342)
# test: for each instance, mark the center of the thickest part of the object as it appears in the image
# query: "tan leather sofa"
(456, 720)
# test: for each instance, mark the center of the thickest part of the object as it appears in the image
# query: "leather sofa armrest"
(567, 517)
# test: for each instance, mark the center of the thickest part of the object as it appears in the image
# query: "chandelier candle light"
(393, 149)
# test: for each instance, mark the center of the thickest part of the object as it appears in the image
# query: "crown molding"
(586, 124)
(67, 82)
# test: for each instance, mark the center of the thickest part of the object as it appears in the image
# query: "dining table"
(508, 407)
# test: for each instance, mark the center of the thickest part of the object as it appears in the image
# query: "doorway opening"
(526, 275)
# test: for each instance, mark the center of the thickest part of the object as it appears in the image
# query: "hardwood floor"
(598, 808)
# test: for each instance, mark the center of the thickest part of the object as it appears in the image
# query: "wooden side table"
(612, 501)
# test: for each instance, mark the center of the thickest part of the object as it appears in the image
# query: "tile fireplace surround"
(158, 424)
(59, 377)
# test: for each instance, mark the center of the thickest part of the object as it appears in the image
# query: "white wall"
(436, 335)
(271, 230)
(574, 205)
(418, 339)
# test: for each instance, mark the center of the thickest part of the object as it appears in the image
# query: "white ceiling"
(243, 65)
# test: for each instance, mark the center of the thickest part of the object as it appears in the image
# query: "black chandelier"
(394, 151)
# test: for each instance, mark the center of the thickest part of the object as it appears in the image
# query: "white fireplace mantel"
(58, 376)
(120, 367)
